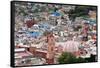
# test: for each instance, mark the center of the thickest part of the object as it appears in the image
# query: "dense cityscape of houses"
(44, 31)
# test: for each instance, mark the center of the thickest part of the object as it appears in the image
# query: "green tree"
(81, 11)
(67, 58)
